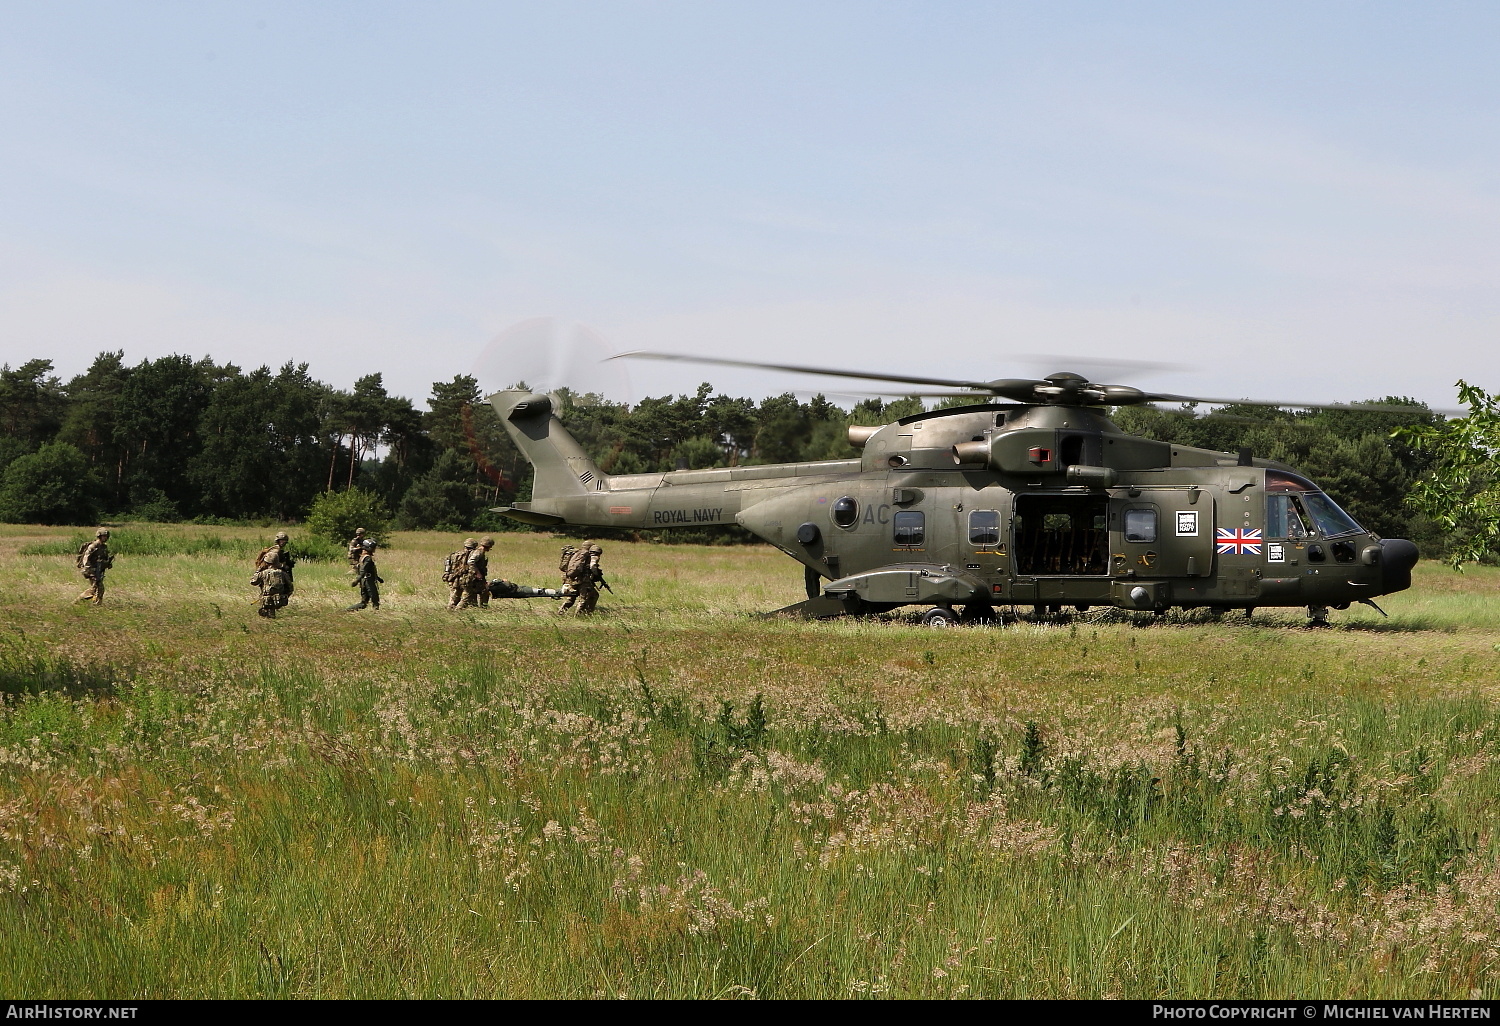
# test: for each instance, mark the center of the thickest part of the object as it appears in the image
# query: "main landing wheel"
(940, 616)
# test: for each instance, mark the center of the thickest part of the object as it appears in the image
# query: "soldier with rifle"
(93, 560)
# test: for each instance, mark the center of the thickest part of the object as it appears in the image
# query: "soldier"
(356, 548)
(582, 577)
(500, 588)
(273, 575)
(366, 578)
(93, 560)
(456, 572)
(484, 583)
(477, 580)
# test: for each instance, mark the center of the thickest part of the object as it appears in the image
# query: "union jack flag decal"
(1238, 541)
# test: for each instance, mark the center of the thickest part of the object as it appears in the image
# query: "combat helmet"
(369, 544)
(103, 532)
(281, 536)
(487, 543)
(470, 543)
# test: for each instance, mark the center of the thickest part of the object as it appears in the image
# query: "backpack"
(456, 567)
(567, 558)
(82, 550)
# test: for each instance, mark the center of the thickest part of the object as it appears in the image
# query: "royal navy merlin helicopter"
(1030, 496)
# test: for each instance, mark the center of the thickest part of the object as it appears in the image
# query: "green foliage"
(443, 498)
(50, 486)
(32, 402)
(154, 506)
(1461, 493)
(335, 515)
(157, 424)
(11, 447)
(261, 444)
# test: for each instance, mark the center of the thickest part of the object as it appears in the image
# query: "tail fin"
(563, 470)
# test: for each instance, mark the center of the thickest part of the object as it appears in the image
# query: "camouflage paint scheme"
(997, 505)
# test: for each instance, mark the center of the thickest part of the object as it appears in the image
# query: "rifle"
(599, 576)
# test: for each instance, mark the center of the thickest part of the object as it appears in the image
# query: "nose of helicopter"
(1397, 557)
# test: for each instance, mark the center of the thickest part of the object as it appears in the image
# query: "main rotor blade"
(1099, 368)
(642, 354)
(1167, 397)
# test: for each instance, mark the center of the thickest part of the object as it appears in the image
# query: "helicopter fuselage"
(997, 505)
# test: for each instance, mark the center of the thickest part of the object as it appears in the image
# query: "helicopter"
(1030, 496)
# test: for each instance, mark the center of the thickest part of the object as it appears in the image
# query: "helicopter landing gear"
(940, 616)
(1317, 616)
(976, 612)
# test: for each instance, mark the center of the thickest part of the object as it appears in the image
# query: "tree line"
(177, 438)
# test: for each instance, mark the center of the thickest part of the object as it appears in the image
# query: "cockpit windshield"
(1296, 509)
(1331, 520)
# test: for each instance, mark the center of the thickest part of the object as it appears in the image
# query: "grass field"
(677, 799)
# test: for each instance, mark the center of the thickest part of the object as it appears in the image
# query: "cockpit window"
(1292, 515)
(1331, 520)
(1285, 517)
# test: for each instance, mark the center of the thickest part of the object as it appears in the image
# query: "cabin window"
(909, 527)
(984, 528)
(1140, 525)
(845, 512)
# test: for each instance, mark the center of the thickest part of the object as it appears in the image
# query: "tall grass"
(156, 541)
(664, 801)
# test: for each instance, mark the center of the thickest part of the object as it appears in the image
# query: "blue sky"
(1290, 200)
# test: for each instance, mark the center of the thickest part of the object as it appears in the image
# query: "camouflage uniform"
(273, 575)
(93, 560)
(456, 572)
(500, 588)
(356, 547)
(367, 578)
(477, 583)
(581, 577)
